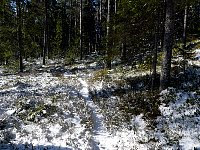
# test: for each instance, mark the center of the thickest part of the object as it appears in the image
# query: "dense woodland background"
(137, 32)
(99, 74)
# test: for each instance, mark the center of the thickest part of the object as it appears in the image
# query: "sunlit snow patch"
(10, 111)
(197, 54)
(179, 124)
(55, 129)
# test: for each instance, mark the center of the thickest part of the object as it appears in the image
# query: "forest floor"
(83, 106)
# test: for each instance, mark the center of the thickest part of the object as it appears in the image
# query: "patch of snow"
(10, 111)
(93, 64)
(1, 70)
(84, 91)
(138, 122)
(178, 124)
(136, 74)
(197, 54)
(98, 118)
(37, 95)
(55, 129)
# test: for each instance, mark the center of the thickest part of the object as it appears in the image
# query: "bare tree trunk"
(154, 65)
(45, 50)
(115, 6)
(163, 14)
(168, 45)
(184, 36)
(123, 45)
(99, 34)
(157, 29)
(70, 25)
(100, 20)
(108, 59)
(19, 18)
(123, 57)
(81, 41)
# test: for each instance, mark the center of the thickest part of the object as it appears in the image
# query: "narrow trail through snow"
(100, 133)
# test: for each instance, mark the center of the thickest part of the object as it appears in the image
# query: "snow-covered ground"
(51, 107)
(52, 110)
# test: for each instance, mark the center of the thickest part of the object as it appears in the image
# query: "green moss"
(100, 74)
(35, 112)
(12, 67)
(169, 97)
(198, 45)
(160, 58)
(55, 98)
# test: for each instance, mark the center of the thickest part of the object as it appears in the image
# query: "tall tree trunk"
(4, 9)
(81, 38)
(123, 44)
(45, 50)
(70, 26)
(156, 39)
(162, 25)
(100, 20)
(99, 33)
(19, 18)
(123, 57)
(154, 65)
(168, 44)
(184, 36)
(108, 59)
(115, 9)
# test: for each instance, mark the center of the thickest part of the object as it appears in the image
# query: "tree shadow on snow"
(136, 99)
(139, 96)
(11, 146)
(190, 80)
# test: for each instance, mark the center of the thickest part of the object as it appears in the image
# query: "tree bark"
(108, 59)
(45, 50)
(168, 44)
(184, 36)
(124, 50)
(154, 65)
(81, 41)
(99, 33)
(70, 26)
(19, 18)
(157, 29)
(162, 25)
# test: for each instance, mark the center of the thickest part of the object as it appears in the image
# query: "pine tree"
(20, 44)
(168, 44)
(46, 32)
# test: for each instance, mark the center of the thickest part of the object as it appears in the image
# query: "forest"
(99, 74)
